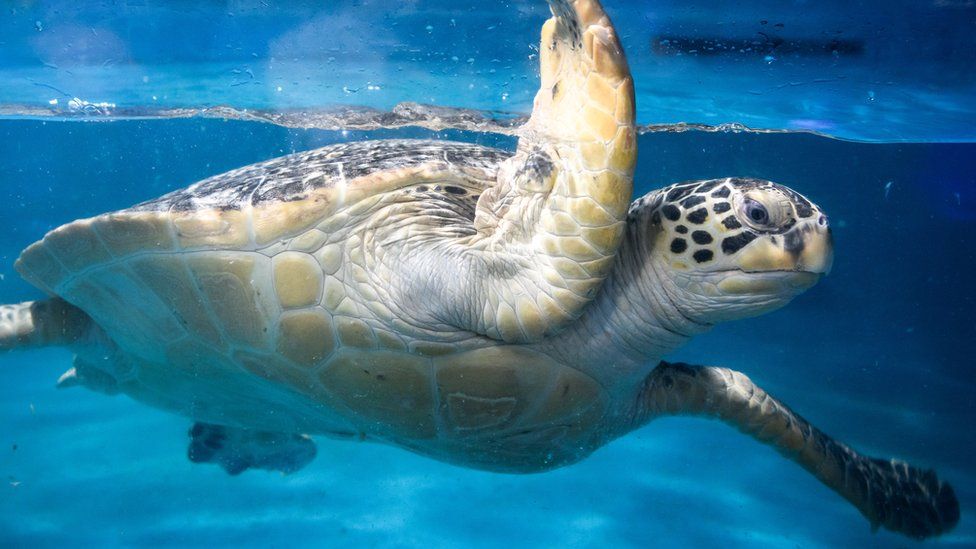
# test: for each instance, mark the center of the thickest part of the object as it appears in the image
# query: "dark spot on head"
(422, 188)
(656, 218)
(437, 187)
(803, 207)
(681, 229)
(698, 216)
(721, 193)
(679, 245)
(707, 186)
(701, 256)
(772, 239)
(731, 222)
(793, 243)
(721, 207)
(735, 243)
(692, 201)
(678, 193)
(555, 90)
(701, 237)
(671, 212)
(455, 190)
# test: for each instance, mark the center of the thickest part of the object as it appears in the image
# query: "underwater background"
(105, 105)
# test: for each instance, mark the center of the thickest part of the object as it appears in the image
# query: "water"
(871, 70)
(877, 355)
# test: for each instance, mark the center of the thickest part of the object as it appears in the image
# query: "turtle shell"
(142, 272)
(238, 300)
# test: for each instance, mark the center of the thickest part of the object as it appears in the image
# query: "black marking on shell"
(722, 193)
(671, 212)
(292, 177)
(731, 222)
(701, 237)
(681, 229)
(698, 216)
(679, 245)
(732, 244)
(721, 207)
(692, 201)
(702, 256)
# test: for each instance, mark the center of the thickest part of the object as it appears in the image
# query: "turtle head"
(737, 247)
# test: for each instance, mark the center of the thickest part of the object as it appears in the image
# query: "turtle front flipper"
(548, 230)
(890, 493)
(237, 450)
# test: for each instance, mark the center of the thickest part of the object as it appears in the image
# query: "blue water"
(879, 354)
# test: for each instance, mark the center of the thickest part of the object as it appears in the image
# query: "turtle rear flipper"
(237, 450)
(41, 324)
(889, 493)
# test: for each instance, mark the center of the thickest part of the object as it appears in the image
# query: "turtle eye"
(755, 211)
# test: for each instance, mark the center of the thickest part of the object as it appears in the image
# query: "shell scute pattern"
(301, 313)
(306, 337)
(293, 177)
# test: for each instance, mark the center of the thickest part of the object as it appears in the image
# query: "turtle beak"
(808, 247)
(817, 252)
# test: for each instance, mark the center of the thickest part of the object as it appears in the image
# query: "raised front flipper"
(548, 230)
(889, 493)
(237, 450)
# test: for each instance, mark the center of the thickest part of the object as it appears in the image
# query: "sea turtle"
(503, 311)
